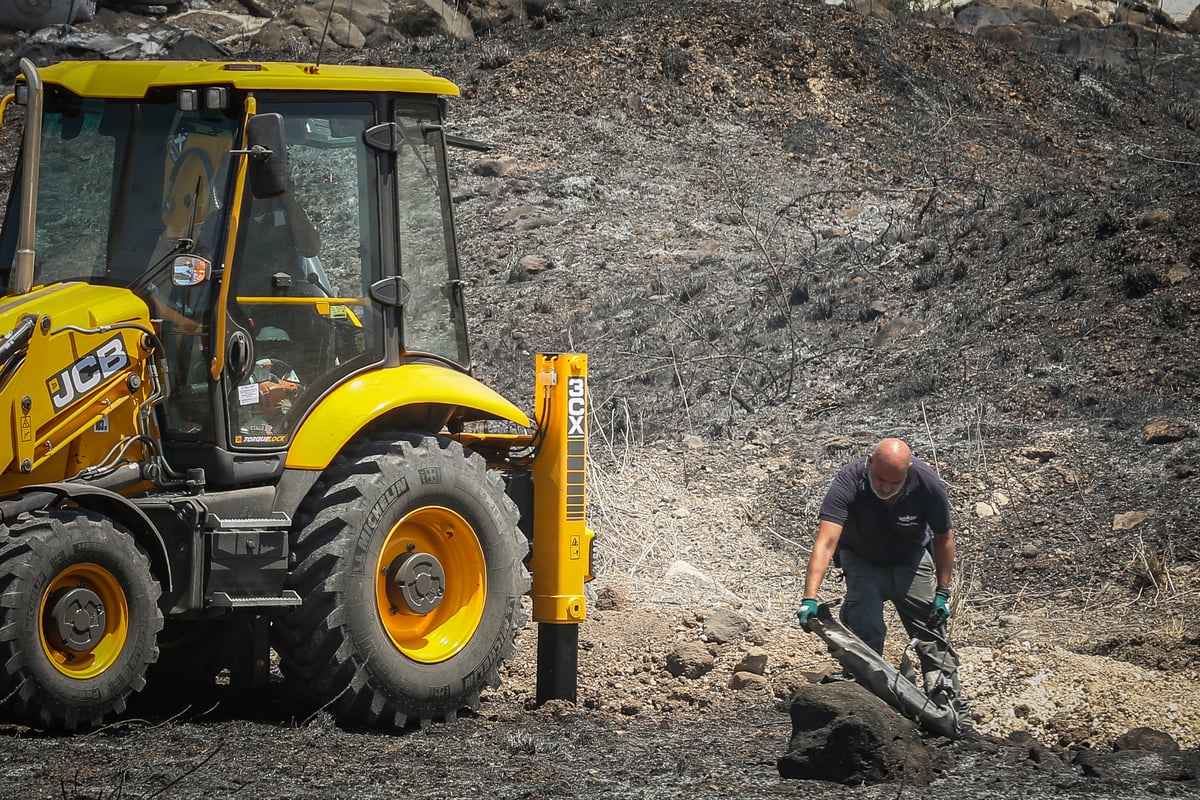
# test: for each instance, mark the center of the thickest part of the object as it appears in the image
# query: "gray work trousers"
(910, 587)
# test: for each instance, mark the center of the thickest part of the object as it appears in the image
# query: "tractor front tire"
(411, 569)
(79, 620)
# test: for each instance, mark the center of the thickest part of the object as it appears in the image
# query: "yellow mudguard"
(351, 406)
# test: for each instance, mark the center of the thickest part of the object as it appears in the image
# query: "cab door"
(304, 261)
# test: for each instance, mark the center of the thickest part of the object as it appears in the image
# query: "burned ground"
(782, 231)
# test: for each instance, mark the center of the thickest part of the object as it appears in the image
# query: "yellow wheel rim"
(84, 621)
(434, 634)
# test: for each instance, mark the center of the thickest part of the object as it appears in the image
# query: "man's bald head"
(887, 467)
(893, 452)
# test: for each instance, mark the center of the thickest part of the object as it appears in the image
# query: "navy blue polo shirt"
(877, 532)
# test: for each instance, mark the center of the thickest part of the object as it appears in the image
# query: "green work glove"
(808, 610)
(941, 610)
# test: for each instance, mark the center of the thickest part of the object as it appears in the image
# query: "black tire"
(59, 571)
(374, 657)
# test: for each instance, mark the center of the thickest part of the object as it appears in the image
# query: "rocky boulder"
(842, 733)
(724, 626)
(1142, 766)
(690, 660)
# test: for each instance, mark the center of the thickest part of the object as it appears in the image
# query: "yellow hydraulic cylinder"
(562, 542)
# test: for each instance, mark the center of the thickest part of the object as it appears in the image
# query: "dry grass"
(1148, 566)
(670, 531)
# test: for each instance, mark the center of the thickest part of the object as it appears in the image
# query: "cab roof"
(133, 79)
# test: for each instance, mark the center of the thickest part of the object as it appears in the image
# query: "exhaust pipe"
(27, 237)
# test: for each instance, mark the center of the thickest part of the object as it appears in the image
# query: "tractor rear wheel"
(79, 618)
(410, 566)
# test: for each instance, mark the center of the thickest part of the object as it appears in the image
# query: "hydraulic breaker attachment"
(561, 560)
(880, 678)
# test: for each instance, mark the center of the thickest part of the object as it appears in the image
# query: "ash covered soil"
(782, 231)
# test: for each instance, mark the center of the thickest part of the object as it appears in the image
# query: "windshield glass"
(123, 186)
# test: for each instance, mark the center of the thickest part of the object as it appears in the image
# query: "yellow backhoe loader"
(241, 412)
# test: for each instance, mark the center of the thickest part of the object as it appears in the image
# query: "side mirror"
(189, 270)
(268, 167)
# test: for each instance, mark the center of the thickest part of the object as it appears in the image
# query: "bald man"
(886, 517)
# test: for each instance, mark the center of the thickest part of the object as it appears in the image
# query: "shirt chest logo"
(906, 520)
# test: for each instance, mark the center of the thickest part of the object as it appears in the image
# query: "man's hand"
(941, 609)
(807, 610)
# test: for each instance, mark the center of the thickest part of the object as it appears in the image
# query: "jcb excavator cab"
(237, 349)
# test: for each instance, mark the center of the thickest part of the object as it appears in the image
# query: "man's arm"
(828, 534)
(943, 558)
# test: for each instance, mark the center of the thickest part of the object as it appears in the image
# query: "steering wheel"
(279, 370)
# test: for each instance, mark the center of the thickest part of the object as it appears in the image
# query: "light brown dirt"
(676, 542)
